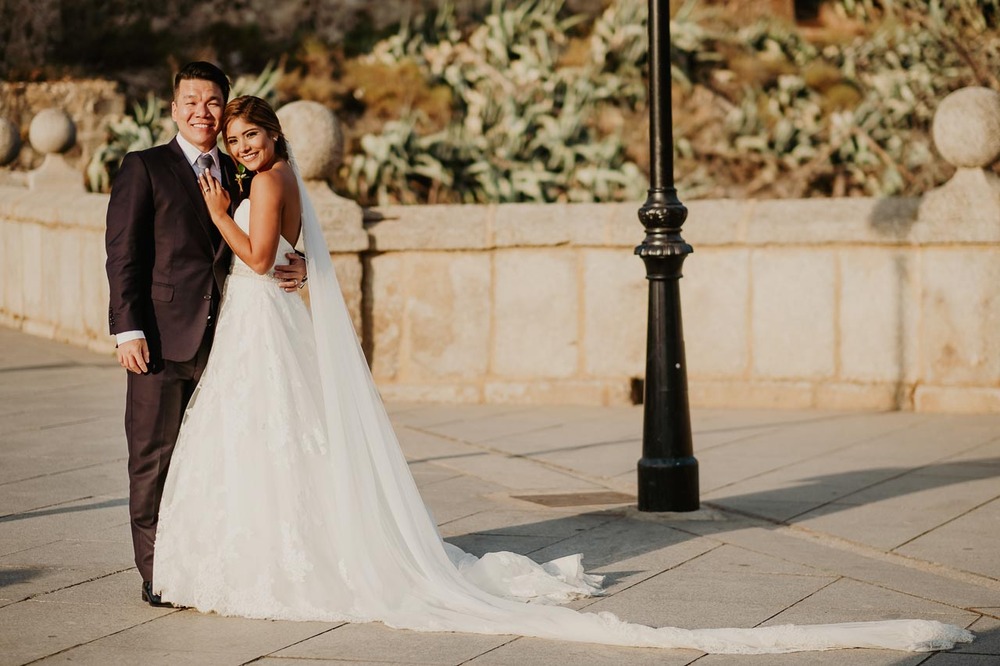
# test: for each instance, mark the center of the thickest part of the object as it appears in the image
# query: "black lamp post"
(668, 470)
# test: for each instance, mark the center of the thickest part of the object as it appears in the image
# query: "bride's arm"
(257, 249)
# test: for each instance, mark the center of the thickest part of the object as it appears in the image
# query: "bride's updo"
(255, 111)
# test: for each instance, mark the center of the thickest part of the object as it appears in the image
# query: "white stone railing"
(842, 303)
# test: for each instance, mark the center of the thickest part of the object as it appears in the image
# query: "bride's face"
(251, 145)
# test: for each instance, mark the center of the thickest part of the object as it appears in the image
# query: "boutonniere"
(241, 175)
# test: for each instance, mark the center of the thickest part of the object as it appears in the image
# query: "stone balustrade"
(829, 303)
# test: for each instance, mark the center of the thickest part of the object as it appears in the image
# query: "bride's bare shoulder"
(272, 184)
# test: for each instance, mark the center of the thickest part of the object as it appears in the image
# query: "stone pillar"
(958, 233)
(52, 133)
(967, 134)
(317, 144)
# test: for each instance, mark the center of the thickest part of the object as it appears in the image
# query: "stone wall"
(835, 304)
(843, 304)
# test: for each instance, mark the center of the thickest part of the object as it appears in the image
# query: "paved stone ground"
(808, 517)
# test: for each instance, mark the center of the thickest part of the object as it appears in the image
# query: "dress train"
(288, 497)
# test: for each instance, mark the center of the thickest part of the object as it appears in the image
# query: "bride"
(288, 496)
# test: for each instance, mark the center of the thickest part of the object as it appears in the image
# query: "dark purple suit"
(166, 267)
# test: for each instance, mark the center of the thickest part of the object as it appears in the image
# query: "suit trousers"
(154, 407)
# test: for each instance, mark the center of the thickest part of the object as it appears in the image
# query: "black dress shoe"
(153, 599)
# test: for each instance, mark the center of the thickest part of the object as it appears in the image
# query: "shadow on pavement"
(106, 504)
(17, 575)
(827, 494)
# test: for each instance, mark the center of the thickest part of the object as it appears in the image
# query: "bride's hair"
(258, 112)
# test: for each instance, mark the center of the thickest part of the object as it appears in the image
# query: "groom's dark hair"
(203, 71)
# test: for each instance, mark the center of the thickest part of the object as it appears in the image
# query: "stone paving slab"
(537, 651)
(376, 642)
(830, 658)
(899, 511)
(808, 517)
(921, 579)
(970, 541)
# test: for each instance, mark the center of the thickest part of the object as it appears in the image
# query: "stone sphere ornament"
(967, 127)
(52, 131)
(10, 142)
(314, 134)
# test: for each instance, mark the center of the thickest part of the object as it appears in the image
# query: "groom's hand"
(292, 274)
(134, 355)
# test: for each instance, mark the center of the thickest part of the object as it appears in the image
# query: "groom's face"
(197, 110)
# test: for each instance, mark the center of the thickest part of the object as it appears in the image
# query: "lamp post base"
(668, 484)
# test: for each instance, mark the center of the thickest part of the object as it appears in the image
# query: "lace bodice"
(242, 219)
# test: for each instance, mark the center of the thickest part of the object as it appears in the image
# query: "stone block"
(384, 295)
(624, 229)
(55, 173)
(879, 315)
(957, 399)
(566, 392)
(65, 279)
(94, 287)
(794, 313)
(33, 247)
(447, 315)
(965, 209)
(349, 275)
(341, 219)
(961, 316)
(751, 394)
(532, 225)
(718, 221)
(614, 303)
(13, 268)
(822, 221)
(429, 315)
(536, 314)
(855, 397)
(715, 294)
(449, 393)
(431, 228)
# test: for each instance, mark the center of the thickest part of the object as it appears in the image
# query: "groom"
(166, 267)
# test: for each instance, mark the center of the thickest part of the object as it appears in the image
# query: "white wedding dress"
(288, 498)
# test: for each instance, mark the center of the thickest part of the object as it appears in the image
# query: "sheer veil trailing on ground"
(399, 571)
(375, 554)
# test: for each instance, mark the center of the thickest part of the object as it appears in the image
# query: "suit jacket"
(166, 260)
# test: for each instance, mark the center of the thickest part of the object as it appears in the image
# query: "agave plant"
(761, 109)
(149, 125)
(521, 129)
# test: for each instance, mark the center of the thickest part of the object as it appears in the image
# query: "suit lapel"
(189, 183)
(228, 169)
